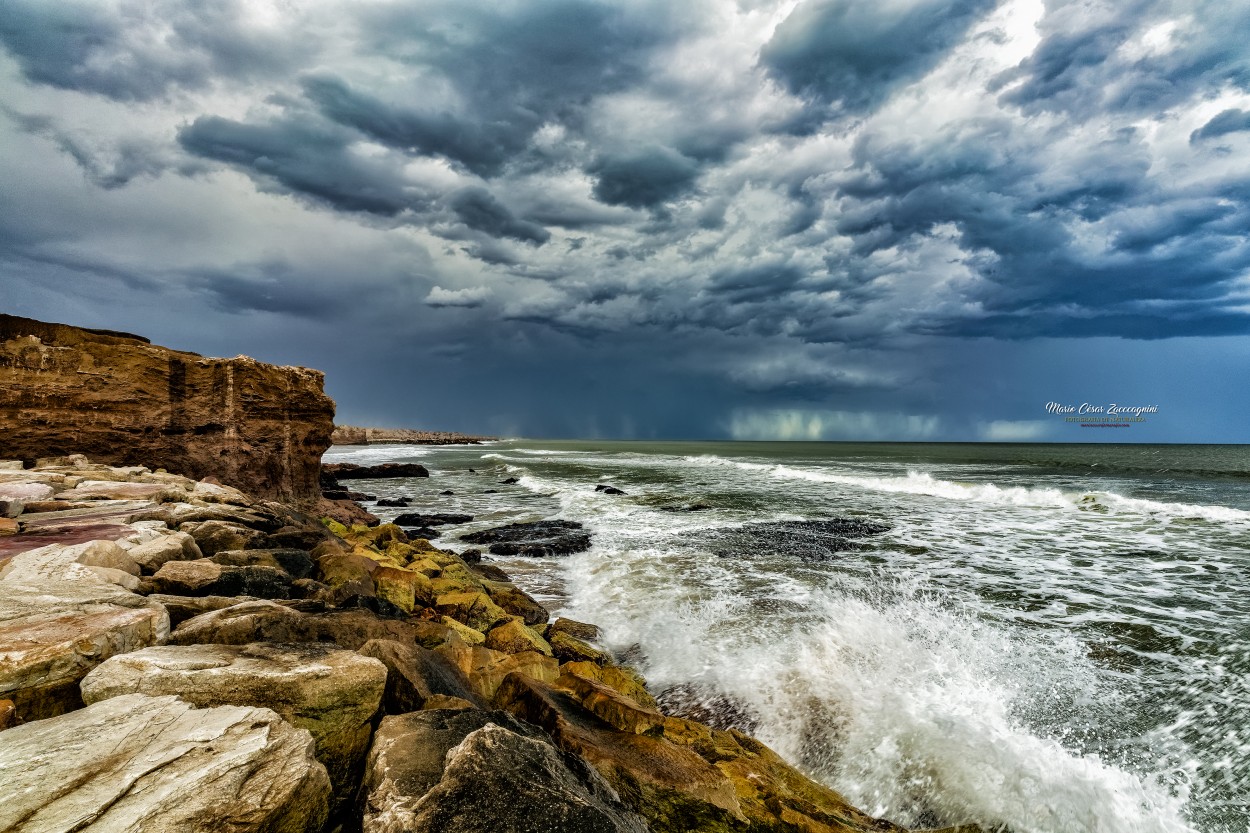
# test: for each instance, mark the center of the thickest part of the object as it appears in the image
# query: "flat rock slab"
(330, 692)
(58, 620)
(157, 765)
(115, 490)
(25, 491)
(478, 772)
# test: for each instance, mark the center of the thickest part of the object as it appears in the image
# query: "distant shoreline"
(355, 435)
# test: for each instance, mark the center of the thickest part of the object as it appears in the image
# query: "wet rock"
(471, 608)
(166, 766)
(535, 539)
(572, 627)
(346, 512)
(434, 519)
(608, 490)
(514, 637)
(568, 648)
(708, 706)
(295, 563)
(516, 601)
(426, 532)
(447, 493)
(353, 471)
(268, 621)
(58, 620)
(206, 578)
(474, 557)
(620, 678)
(480, 772)
(393, 502)
(668, 783)
(510, 481)
(332, 693)
(416, 674)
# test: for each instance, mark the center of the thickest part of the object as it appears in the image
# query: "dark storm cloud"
(140, 51)
(269, 287)
(483, 146)
(1229, 121)
(855, 54)
(307, 157)
(644, 178)
(478, 209)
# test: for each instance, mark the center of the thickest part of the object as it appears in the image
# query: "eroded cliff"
(119, 399)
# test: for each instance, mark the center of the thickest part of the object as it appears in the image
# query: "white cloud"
(470, 296)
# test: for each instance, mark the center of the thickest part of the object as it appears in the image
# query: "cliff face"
(120, 400)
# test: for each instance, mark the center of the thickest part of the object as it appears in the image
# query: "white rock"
(58, 620)
(139, 764)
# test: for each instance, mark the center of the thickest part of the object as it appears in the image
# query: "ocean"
(1050, 638)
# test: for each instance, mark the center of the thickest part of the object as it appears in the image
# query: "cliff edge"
(120, 400)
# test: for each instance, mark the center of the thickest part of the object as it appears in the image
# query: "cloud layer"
(757, 209)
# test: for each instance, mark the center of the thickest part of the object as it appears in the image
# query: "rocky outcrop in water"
(352, 471)
(536, 539)
(119, 399)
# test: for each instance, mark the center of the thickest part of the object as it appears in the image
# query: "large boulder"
(176, 546)
(208, 578)
(481, 772)
(416, 674)
(157, 765)
(58, 620)
(65, 390)
(328, 691)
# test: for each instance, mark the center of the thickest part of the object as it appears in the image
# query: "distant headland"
(355, 435)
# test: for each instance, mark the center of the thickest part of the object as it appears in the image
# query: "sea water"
(1054, 638)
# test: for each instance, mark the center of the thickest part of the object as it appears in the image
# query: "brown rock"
(9, 526)
(416, 674)
(516, 601)
(108, 554)
(406, 589)
(474, 771)
(8, 714)
(622, 678)
(65, 390)
(217, 536)
(206, 578)
(473, 609)
(568, 648)
(486, 669)
(266, 621)
(346, 512)
(514, 637)
(578, 630)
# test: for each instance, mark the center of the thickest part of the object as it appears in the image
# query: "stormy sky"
(824, 219)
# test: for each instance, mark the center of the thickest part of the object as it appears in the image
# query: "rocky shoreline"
(256, 668)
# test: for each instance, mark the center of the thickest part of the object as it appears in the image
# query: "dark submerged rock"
(536, 539)
(813, 540)
(398, 501)
(608, 490)
(433, 519)
(353, 471)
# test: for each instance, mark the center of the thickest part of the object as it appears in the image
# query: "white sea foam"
(367, 454)
(906, 707)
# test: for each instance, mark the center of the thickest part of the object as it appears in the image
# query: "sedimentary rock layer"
(355, 435)
(119, 399)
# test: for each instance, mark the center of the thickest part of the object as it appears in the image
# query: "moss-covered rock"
(513, 637)
(473, 609)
